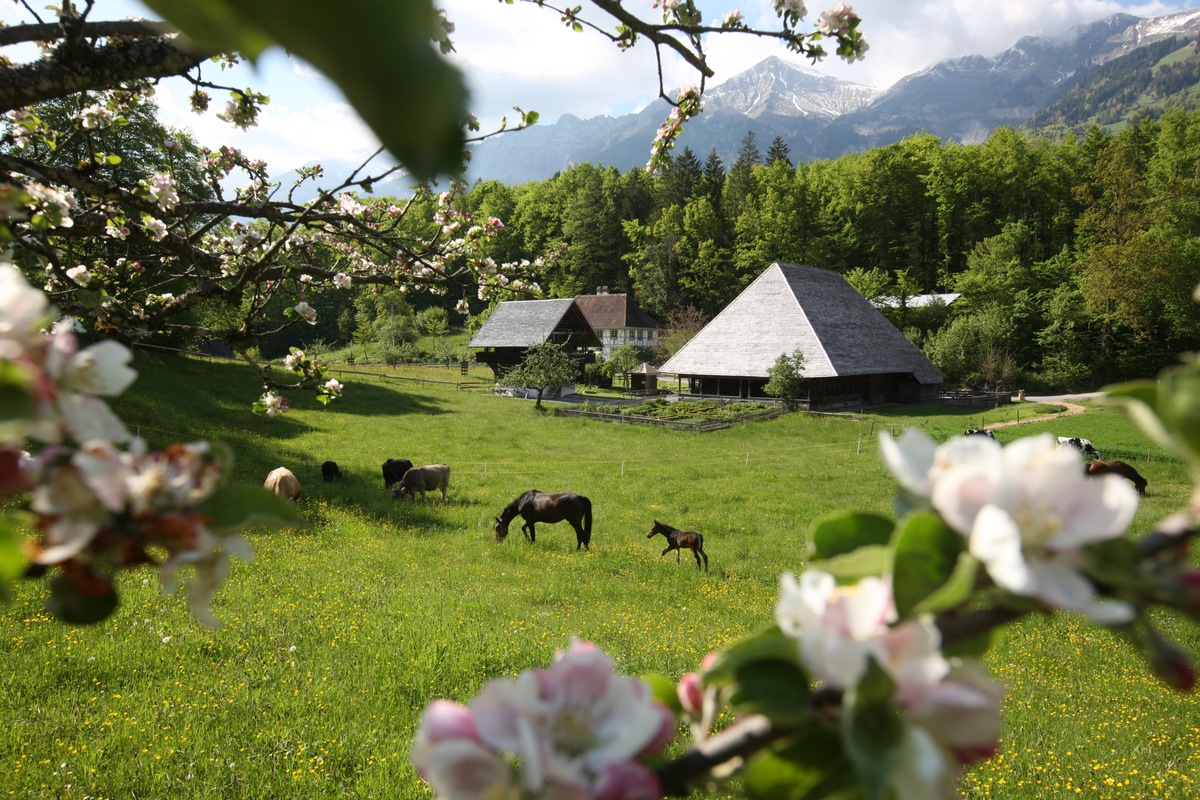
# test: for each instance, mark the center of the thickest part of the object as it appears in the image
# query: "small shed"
(643, 378)
(516, 325)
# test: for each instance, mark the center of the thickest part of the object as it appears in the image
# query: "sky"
(520, 55)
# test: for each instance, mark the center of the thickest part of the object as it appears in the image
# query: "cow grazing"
(282, 482)
(1082, 445)
(423, 479)
(980, 432)
(330, 471)
(394, 469)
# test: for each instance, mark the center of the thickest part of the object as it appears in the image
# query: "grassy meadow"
(338, 634)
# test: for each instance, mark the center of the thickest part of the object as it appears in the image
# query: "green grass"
(338, 634)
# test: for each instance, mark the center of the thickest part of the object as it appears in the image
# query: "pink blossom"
(341, 281)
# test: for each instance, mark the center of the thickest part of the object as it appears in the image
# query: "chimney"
(601, 290)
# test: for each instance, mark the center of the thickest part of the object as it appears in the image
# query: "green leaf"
(874, 731)
(1139, 401)
(769, 643)
(1115, 562)
(765, 672)
(113, 159)
(378, 52)
(955, 591)
(1179, 407)
(842, 533)
(72, 606)
(16, 395)
(811, 766)
(853, 567)
(234, 508)
(926, 551)
(662, 689)
(775, 688)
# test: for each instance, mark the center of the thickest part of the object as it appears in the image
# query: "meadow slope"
(339, 633)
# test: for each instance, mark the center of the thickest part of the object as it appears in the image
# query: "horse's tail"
(587, 521)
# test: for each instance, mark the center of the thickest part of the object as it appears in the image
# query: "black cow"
(394, 469)
(330, 471)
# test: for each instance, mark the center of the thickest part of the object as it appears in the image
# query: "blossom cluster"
(1027, 511)
(100, 501)
(577, 729)
(950, 707)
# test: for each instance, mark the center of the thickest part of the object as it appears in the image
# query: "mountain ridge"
(962, 99)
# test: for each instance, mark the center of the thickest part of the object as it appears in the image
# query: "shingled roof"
(525, 323)
(605, 311)
(815, 311)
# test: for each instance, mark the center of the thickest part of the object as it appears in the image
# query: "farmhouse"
(852, 354)
(617, 320)
(516, 325)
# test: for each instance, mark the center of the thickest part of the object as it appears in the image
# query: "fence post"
(858, 452)
(622, 470)
(747, 458)
(872, 433)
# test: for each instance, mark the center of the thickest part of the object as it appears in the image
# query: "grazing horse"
(980, 432)
(1117, 468)
(677, 540)
(535, 506)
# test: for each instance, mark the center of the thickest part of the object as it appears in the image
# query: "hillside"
(1142, 83)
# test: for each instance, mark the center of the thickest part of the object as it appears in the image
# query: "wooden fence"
(674, 424)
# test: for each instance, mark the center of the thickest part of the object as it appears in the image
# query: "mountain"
(1142, 83)
(775, 98)
(962, 99)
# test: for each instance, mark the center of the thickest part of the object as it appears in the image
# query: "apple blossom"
(951, 708)
(1027, 510)
(156, 229)
(80, 275)
(341, 281)
(575, 729)
(306, 312)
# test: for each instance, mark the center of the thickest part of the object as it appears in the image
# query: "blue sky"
(519, 55)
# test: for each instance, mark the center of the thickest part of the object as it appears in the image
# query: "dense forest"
(1076, 258)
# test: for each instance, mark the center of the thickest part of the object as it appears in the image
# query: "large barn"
(516, 325)
(852, 354)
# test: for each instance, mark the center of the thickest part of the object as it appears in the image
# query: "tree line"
(1075, 257)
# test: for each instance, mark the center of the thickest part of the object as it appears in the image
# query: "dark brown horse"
(535, 506)
(1117, 468)
(677, 540)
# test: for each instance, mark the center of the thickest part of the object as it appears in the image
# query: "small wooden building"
(643, 378)
(516, 325)
(852, 354)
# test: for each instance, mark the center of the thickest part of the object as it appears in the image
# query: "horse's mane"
(515, 505)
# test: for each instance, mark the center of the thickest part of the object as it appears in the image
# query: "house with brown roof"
(516, 325)
(618, 321)
(852, 354)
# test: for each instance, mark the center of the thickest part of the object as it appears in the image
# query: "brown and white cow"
(423, 479)
(282, 482)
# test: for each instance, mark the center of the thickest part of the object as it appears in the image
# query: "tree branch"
(95, 68)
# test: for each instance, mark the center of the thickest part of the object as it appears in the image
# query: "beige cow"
(282, 482)
(423, 479)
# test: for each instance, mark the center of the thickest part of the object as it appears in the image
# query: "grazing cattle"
(980, 432)
(330, 471)
(1082, 445)
(1117, 468)
(394, 469)
(282, 482)
(423, 479)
